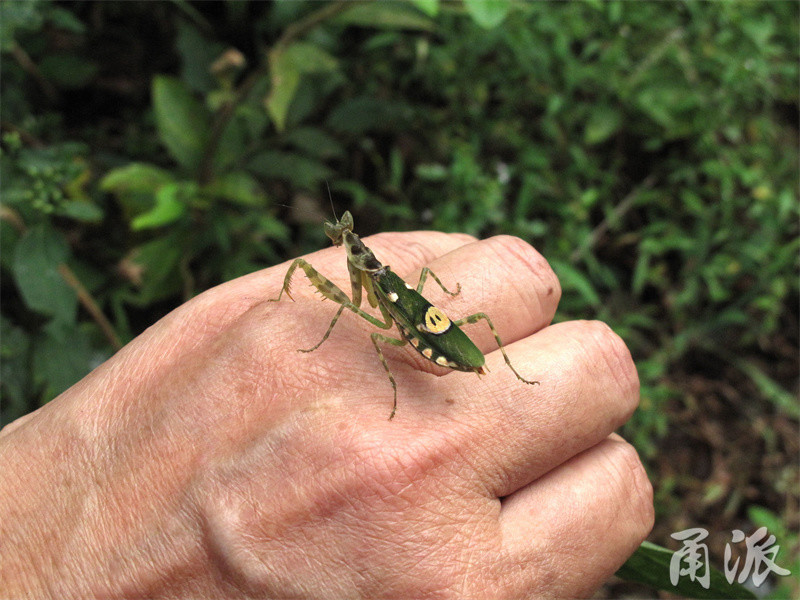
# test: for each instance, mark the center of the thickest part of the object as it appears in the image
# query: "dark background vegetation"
(151, 150)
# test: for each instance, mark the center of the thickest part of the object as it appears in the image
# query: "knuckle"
(615, 360)
(522, 257)
(632, 484)
(409, 252)
(389, 467)
(529, 275)
(225, 519)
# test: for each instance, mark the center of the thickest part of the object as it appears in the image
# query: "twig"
(12, 216)
(296, 30)
(85, 298)
(226, 112)
(619, 210)
(24, 135)
(30, 67)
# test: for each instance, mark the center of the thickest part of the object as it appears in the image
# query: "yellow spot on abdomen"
(436, 321)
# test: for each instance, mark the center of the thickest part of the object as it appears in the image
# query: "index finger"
(206, 315)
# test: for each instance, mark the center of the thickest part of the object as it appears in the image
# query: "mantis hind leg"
(482, 316)
(377, 337)
(385, 324)
(330, 328)
(424, 275)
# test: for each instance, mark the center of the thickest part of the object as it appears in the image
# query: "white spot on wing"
(393, 296)
(442, 361)
(408, 286)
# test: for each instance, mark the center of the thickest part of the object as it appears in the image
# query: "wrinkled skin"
(209, 458)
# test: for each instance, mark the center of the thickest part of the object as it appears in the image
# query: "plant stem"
(85, 298)
(225, 113)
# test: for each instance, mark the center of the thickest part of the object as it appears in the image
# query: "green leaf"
(306, 57)
(169, 207)
(385, 15)
(37, 257)
(287, 64)
(9, 237)
(429, 7)
(26, 16)
(14, 369)
(64, 19)
(68, 70)
(770, 389)
(300, 170)
(183, 123)
(284, 85)
(650, 565)
(197, 53)
(236, 137)
(315, 142)
(80, 210)
(136, 185)
(359, 115)
(431, 172)
(604, 121)
(61, 359)
(573, 280)
(762, 517)
(159, 261)
(641, 272)
(238, 187)
(487, 13)
(135, 178)
(272, 228)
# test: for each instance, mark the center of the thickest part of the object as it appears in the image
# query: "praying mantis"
(426, 327)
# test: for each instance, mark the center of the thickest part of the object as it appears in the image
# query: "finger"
(409, 250)
(213, 311)
(267, 336)
(511, 433)
(502, 276)
(575, 526)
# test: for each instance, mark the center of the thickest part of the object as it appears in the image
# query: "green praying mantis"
(427, 328)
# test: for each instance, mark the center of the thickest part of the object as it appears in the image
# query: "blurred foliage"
(648, 150)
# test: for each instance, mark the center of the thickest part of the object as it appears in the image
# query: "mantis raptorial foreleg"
(332, 292)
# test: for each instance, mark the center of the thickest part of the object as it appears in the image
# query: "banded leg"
(377, 337)
(424, 275)
(477, 317)
(327, 333)
(322, 284)
(330, 291)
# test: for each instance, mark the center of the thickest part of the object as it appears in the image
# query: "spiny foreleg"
(332, 292)
(477, 317)
(322, 284)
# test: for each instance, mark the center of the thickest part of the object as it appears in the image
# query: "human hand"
(210, 458)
